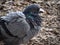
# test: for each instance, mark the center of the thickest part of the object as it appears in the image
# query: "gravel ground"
(50, 28)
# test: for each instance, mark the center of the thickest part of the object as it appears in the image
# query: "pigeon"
(19, 27)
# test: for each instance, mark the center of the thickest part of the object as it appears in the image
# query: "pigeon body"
(22, 25)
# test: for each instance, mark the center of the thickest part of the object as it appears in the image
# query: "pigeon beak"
(41, 10)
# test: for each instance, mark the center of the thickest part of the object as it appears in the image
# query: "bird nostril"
(41, 10)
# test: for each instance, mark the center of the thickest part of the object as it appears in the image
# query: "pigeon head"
(32, 9)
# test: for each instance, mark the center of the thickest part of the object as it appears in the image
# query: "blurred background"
(50, 27)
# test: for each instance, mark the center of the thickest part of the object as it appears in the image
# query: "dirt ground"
(50, 28)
